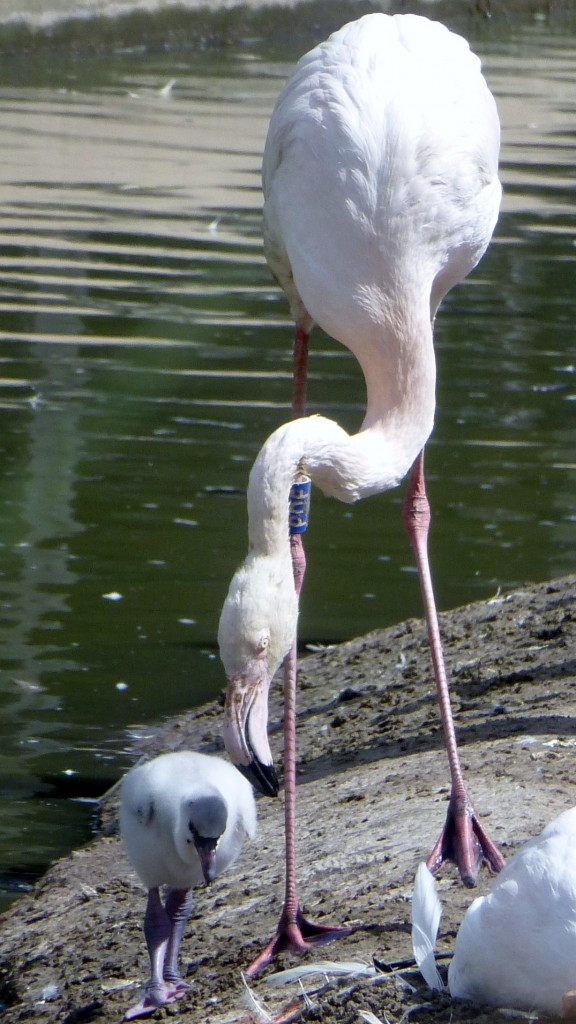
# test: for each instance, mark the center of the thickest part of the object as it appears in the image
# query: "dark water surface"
(146, 354)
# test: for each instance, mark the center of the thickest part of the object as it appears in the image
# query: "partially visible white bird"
(516, 946)
(381, 189)
(183, 819)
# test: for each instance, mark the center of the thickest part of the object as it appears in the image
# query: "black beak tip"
(262, 776)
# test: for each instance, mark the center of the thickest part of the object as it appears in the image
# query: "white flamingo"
(516, 946)
(381, 192)
(183, 819)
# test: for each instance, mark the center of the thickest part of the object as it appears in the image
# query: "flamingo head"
(257, 627)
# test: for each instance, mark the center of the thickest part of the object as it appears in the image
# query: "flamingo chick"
(516, 947)
(381, 190)
(183, 819)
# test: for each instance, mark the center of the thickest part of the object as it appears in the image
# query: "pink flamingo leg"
(462, 840)
(300, 373)
(294, 932)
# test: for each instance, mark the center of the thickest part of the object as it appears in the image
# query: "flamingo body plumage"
(381, 188)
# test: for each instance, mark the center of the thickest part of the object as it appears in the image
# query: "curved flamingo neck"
(344, 466)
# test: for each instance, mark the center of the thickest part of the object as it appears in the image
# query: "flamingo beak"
(245, 728)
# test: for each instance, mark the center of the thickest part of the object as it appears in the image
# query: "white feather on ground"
(326, 968)
(426, 914)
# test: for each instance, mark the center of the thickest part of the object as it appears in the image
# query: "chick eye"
(263, 644)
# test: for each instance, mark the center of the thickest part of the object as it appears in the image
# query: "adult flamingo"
(381, 192)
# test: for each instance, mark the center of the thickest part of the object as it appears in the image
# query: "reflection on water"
(145, 356)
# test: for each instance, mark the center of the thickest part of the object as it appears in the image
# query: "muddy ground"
(372, 800)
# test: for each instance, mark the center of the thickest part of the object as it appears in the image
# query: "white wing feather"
(426, 914)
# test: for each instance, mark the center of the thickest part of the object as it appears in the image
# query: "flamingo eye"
(263, 644)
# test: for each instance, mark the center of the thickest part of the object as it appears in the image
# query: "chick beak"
(207, 854)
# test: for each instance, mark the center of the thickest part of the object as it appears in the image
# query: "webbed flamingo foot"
(156, 995)
(464, 841)
(296, 934)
